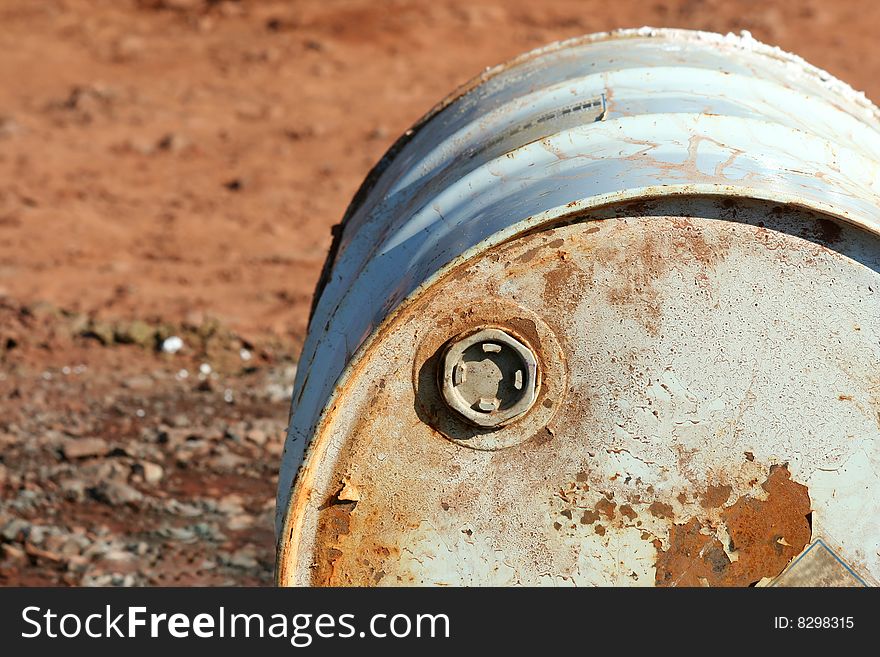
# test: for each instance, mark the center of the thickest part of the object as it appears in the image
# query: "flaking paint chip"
(349, 492)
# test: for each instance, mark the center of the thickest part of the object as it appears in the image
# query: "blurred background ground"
(171, 169)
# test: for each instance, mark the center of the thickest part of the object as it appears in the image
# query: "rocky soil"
(169, 172)
(123, 464)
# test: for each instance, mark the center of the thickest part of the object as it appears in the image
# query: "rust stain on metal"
(557, 279)
(542, 437)
(529, 255)
(716, 496)
(334, 522)
(661, 510)
(606, 507)
(765, 535)
(647, 259)
(693, 558)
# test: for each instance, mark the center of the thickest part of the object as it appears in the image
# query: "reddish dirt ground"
(178, 164)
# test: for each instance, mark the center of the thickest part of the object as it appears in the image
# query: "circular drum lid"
(708, 414)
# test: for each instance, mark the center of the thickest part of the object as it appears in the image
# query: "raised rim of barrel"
(743, 41)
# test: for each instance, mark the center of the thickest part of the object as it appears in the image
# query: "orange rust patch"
(645, 263)
(529, 255)
(606, 508)
(628, 511)
(768, 534)
(693, 558)
(661, 510)
(641, 262)
(691, 242)
(556, 280)
(542, 437)
(765, 535)
(334, 522)
(716, 496)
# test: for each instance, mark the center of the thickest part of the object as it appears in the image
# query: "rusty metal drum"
(608, 315)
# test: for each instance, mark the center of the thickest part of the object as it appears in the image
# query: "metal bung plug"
(489, 377)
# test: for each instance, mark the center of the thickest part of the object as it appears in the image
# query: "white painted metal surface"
(687, 225)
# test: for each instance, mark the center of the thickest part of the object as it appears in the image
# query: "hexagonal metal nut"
(489, 377)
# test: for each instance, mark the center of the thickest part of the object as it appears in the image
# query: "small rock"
(226, 461)
(230, 504)
(102, 331)
(239, 522)
(172, 344)
(235, 431)
(136, 332)
(151, 473)
(36, 535)
(242, 559)
(76, 563)
(116, 493)
(65, 544)
(208, 328)
(276, 392)
(46, 555)
(183, 534)
(174, 437)
(73, 489)
(13, 553)
(15, 529)
(78, 324)
(118, 555)
(180, 420)
(257, 436)
(77, 448)
(173, 143)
